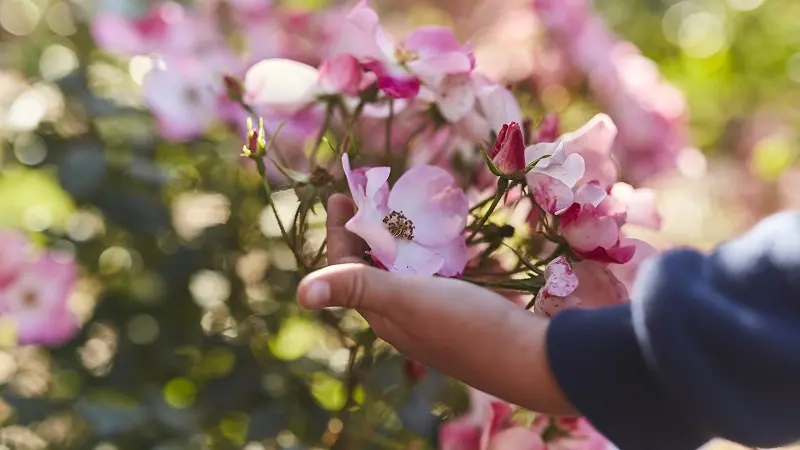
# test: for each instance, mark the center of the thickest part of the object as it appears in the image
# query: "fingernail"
(318, 295)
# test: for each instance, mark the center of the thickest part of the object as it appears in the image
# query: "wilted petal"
(426, 195)
(282, 85)
(557, 293)
(415, 259)
(560, 280)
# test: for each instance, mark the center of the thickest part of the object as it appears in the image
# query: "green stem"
(325, 125)
(262, 171)
(319, 254)
(502, 184)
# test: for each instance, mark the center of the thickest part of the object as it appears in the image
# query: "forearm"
(492, 345)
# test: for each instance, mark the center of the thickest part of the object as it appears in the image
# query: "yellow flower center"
(403, 55)
(399, 225)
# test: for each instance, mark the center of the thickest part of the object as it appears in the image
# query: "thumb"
(355, 286)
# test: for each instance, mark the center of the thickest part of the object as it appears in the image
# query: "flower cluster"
(651, 113)
(439, 159)
(34, 293)
(491, 425)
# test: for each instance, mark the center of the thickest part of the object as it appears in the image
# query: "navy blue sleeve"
(709, 346)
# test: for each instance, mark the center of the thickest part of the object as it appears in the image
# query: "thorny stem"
(262, 171)
(502, 185)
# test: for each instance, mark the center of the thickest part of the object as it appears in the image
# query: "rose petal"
(282, 85)
(426, 196)
(586, 229)
(367, 223)
(499, 106)
(551, 194)
(415, 259)
(594, 141)
(340, 75)
(560, 280)
(456, 99)
(432, 41)
(627, 272)
(455, 257)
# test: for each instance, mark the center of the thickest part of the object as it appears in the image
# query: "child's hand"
(460, 329)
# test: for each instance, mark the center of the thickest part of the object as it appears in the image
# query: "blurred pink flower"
(416, 227)
(487, 426)
(651, 114)
(508, 153)
(586, 284)
(552, 178)
(427, 55)
(35, 301)
(184, 105)
(14, 253)
(149, 33)
(639, 205)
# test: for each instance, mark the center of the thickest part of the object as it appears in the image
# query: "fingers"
(345, 285)
(366, 288)
(343, 246)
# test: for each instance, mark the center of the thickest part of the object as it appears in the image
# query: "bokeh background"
(192, 337)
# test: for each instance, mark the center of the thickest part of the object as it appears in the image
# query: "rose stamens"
(399, 225)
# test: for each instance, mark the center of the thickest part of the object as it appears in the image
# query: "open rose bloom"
(448, 176)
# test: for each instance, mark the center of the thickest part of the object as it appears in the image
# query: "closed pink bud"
(508, 153)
